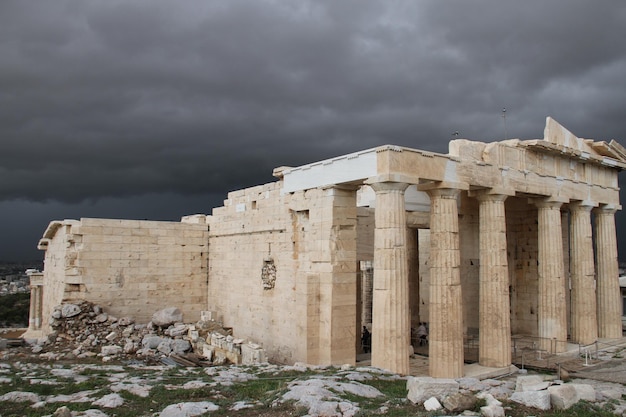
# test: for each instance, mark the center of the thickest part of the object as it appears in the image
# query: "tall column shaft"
(583, 298)
(390, 321)
(32, 308)
(494, 309)
(38, 300)
(446, 302)
(551, 309)
(609, 299)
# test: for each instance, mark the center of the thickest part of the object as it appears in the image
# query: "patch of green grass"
(581, 409)
(392, 388)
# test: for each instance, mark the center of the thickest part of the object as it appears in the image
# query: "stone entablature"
(533, 167)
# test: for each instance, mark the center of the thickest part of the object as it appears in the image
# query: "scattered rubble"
(83, 329)
(542, 392)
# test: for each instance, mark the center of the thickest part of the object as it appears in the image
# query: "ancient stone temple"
(488, 241)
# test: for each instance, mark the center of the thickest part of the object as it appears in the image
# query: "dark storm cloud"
(124, 98)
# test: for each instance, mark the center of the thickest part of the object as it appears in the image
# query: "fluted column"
(390, 317)
(551, 309)
(445, 314)
(32, 308)
(584, 322)
(494, 309)
(38, 312)
(608, 291)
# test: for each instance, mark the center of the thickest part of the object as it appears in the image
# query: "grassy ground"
(259, 389)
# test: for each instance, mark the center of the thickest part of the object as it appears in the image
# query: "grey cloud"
(124, 98)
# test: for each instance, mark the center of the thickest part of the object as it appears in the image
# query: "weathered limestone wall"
(310, 313)
(253, 226)
(59, 250)
(130, 267)
(522, 238)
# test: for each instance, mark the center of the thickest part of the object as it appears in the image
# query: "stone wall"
(309, 313)
(130, 267)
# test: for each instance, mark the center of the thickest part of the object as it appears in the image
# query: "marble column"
(583, 293)
(446, 302)
(494, 308)
(608, 291)
(551, 309)
(36, 300)
(32, 308)
(390, 317)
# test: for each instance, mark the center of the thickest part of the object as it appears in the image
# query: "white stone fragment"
(492, 410)
(563, 397)
(432, 404)
(110, 401)
(188, 409)
(167, 316)
(20, 397)
(111, 350)
(535, 399)
(70, 310)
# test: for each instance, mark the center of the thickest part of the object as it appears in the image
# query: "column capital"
(451, 193)
(582, 206)
(548, 203)
(389, 186)
(607, 209)
(484, 195)
(494, 191)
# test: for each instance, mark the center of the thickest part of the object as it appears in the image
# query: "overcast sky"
(156, 109)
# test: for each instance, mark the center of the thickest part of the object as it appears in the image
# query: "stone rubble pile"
(83, 329)
(543, 392)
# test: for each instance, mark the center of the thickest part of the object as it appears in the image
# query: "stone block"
(492, 410)
(111, 350)
(530, 383)
(432, 404)
(208, 315)
(563, 397)
(534, 399)
(585, 392)
(422, 388)
(252, 354)
(167, 316)
(459, 402)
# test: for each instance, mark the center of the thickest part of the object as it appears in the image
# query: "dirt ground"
(11, 333)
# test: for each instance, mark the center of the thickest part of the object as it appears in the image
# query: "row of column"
(593, 316)
(595, 293)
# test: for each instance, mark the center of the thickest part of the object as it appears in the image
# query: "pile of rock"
(83, 329)
(542, 392)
